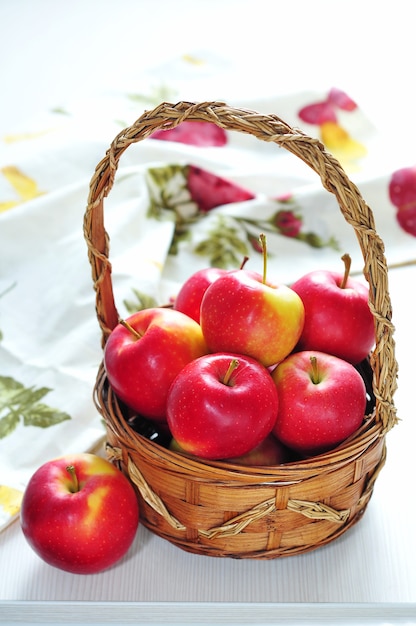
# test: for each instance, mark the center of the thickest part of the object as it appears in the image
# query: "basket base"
(264, 555)
(279, 525)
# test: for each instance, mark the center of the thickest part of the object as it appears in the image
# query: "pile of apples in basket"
(244, 370)
(238, 369)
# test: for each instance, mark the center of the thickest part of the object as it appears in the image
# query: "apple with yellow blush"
(79, 513)
(145, 352)
(245, 313)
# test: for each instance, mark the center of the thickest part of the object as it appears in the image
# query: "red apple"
(406, 217)
(402, 187)
(175, 447)
(242, 314)
(221, 406)
(79, 513)
(322, 401)
(338, 319)
(189, 297)
(269, 452)
(402, 193)
(143, 355)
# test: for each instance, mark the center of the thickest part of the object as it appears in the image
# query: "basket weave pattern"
(219, 509)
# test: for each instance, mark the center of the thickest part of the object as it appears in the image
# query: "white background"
(53, 52)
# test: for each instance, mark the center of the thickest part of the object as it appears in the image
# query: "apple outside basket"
(214, 508)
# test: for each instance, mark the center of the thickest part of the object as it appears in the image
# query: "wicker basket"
(218, 509)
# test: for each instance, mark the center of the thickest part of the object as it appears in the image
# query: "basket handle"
(310, 150)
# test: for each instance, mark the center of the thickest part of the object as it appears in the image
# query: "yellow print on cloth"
(10, 501)
(25, 187)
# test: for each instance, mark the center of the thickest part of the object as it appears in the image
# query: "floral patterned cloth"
(183, 199)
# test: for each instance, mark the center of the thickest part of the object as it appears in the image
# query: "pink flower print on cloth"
(202, 134)
(325, 114)
(209, 190)
(189, 194)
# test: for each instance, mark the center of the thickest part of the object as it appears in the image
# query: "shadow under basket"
(216, 508)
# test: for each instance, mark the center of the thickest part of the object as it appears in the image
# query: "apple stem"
(315, 378)
(244, 261)
(234, 363)
(263, 244)
(130, 328)
(75, 484)
(347, 263)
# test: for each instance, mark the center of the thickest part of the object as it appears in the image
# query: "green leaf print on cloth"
(141, 301)
(18, 402)
(186, 195)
